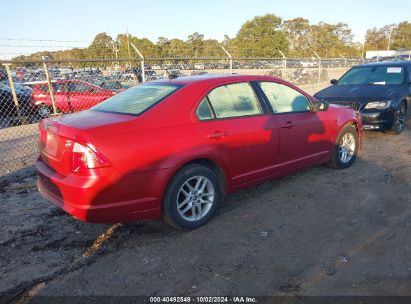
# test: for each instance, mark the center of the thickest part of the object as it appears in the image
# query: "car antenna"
(171, 76)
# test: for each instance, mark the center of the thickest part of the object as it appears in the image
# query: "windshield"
(137, 99)
(377, 75)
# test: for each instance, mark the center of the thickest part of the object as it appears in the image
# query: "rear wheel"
(44, 111)
(192, 197)
(345, 149)
(399, 118)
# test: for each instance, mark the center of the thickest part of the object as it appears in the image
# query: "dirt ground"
(318, 232)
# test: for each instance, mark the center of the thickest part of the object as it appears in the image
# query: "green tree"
(261, 37)
(298, 33)
(331, 40)
(401, 36)
(195, 42)
(103, 46)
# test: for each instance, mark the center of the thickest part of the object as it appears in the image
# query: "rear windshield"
(137, 99)
(377, 75)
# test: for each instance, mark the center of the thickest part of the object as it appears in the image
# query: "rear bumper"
(100, 199)
(378, 119)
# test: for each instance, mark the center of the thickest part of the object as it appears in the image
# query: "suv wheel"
(399, 118)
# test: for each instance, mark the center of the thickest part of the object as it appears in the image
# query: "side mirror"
(333, 81)
(320, 106)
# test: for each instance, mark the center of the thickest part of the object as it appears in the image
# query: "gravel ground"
(318, 232)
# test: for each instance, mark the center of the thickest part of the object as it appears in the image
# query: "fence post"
(345, 60)
(13, 92)
(230, 58)
(284, 69)
(319, 70)
(51, 92)
(143, 71)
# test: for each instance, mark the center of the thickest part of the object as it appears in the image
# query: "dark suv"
(381, 91)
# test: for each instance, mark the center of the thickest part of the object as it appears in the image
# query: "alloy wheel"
(346, 148)
(195, 198)
(400, 117)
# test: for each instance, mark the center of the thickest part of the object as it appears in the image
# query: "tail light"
(85, 157)
(43, 132)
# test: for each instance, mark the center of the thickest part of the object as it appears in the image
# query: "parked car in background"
(7, 104)
(199, 66)
(381, 91)
(156, 67)
(3, 74)
(69, 95)
(172, 148)
(151, 75)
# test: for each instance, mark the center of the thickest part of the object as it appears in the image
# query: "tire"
(400, 116)
(43, 111)
(345, 149)
(188, 208)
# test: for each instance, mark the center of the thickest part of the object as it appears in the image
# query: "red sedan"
(172, 149)
(69, 95)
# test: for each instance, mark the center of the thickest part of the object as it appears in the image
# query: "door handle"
(288, 125)
(217, 134)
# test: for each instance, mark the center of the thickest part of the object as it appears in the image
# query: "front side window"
(284, 99)
(234, 100)
(137, 99)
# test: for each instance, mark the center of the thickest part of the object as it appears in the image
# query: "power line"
(48, 46)
(42, 40)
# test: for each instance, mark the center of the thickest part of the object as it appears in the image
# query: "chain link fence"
(31, 91)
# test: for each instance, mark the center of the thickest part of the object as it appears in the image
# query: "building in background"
(406, 54)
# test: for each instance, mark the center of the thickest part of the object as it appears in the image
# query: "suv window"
(234, 100)
(284, 99)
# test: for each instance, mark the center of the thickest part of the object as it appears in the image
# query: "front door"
(304, 140)
(238, 132)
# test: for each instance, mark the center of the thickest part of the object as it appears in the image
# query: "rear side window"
(284, 99)
(43, 87)
(80, 87)
(137, 99)
(234, 100)
(204, 111)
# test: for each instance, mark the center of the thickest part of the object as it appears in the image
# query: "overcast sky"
(76, 20)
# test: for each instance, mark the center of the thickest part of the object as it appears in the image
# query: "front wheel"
(345, 149)
(399, 118)
(192, 197)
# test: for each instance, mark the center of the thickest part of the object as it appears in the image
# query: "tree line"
(265, 36)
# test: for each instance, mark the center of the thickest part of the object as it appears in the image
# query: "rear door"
(83, 96)
(41, 95)
(304, 140)
(239, 132)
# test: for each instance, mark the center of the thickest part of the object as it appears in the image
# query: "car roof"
(386, 63)
(212, 78)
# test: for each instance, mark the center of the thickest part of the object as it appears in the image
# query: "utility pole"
(319, 70)
(284, 72)
(143, 72)
(128, 44)
(230, 59)
(389, 38)
(115, 51)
